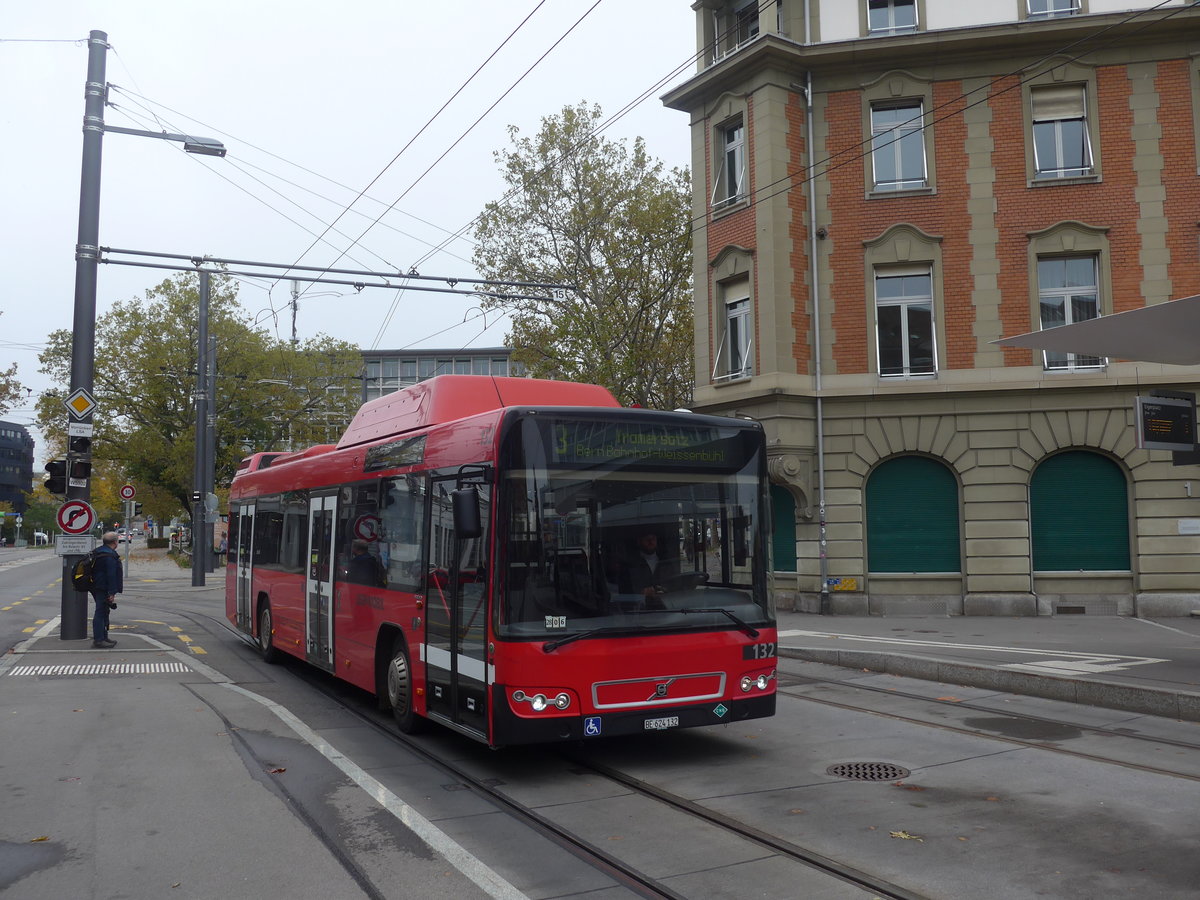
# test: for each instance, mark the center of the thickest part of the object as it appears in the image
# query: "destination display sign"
(1165, 423)
(583, 442)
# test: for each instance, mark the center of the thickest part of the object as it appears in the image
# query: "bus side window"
(402, 525)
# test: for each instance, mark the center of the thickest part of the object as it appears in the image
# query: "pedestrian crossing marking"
(155, 668)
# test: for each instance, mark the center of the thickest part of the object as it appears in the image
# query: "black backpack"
(83, 576)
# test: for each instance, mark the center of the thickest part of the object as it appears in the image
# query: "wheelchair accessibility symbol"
(591, 726)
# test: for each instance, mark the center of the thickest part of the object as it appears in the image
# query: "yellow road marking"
(40, 621)
(200, 651)
(185, 638)
(28, 630)
(149, 622)
(5, 608)
(176, 629)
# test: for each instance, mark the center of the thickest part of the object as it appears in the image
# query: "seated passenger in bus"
(363, 567)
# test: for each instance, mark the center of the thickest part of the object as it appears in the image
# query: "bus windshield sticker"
(647, 443)
(556, 621)
(406, 452)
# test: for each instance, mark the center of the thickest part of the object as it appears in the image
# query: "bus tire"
(400, 690)
(266, 637)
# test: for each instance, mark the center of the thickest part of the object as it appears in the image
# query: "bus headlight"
(540, 702)
(762, 681)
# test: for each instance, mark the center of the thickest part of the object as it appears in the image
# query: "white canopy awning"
(1163, 333)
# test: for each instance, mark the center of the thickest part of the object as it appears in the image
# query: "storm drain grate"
(868, 771)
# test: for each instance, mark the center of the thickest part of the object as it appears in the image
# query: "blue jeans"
(100, 619)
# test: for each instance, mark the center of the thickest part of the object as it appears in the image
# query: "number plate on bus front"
(660, 724)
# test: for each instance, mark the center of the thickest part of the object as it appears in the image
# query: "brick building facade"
(882, 189)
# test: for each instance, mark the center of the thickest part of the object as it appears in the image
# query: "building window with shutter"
(1062, 146)
(905, 339)
(1068, 293)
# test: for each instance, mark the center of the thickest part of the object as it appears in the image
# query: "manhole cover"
(868, 771)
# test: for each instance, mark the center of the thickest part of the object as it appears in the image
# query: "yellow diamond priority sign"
(80, 404)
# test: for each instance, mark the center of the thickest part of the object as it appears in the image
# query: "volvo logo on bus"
(660, 689)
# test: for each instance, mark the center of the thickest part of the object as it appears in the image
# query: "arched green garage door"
(912, 517)
(1079, 514)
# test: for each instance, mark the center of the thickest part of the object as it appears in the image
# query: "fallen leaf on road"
(905, 836)
(276, 771)
(44, 837)
(949, 699)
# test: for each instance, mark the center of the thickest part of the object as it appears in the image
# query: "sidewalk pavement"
(1117, 662)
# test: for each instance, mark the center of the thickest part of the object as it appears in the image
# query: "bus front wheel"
(266, 638)
(400, 690)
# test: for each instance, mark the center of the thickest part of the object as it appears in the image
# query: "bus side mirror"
(466, 513)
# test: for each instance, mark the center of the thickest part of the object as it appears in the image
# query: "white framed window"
(1049, 9)
(734, 355)
(904, 331)
(730, 184)
(1068, 292)
(898, 146)
(1062, 146)
(891, 16)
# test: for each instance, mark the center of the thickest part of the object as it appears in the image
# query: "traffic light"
(80, 445)
(81, 469)
(57, 482)
(137, 509)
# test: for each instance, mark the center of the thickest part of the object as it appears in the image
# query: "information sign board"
(74, 544)
(1165, 423)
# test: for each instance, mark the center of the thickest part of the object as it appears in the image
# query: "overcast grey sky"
(335, 89)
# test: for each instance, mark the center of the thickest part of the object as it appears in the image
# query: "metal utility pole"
(201, 539)
(210, 441)
(83, 345)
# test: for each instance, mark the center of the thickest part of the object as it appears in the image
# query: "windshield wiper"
(551, 646)
(751, 631)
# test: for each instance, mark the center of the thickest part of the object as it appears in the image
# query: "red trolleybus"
(519, 560)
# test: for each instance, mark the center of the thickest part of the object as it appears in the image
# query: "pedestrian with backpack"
(107, 582)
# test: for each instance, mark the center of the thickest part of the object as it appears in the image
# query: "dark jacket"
(109, 579)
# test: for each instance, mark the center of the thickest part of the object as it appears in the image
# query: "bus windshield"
(647, 523)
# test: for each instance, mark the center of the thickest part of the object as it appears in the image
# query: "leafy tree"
(10, 388)
(610, 222)
(271, 394)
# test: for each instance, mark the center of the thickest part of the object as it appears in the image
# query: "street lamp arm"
(192, 144)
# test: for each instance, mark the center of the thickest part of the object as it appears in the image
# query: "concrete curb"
(1184, 705)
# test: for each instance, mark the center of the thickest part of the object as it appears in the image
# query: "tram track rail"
(361, 707)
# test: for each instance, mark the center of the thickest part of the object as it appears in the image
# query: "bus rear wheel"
(400, 690)
(266, 640)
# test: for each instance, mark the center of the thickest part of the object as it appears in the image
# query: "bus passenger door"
(318, 617)
(456, 633)
(243, 555)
